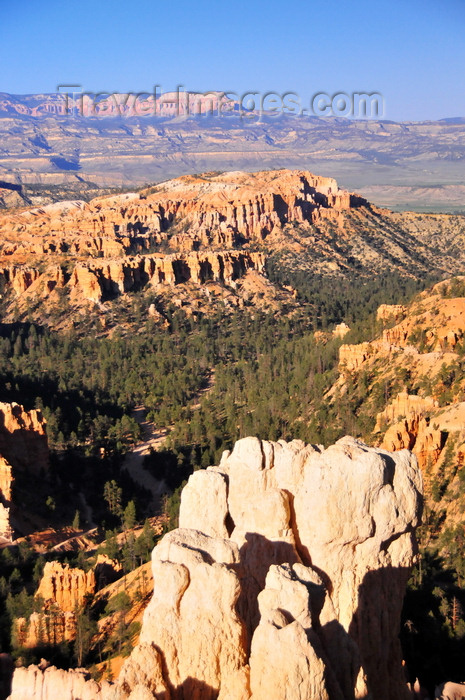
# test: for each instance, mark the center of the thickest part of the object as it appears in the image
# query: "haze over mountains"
(417, 165)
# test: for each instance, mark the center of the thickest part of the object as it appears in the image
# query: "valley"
(51, 156)
(145, 337)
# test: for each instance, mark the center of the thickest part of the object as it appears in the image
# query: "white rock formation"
(284, 582)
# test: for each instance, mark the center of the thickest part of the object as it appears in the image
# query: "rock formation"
(6, 480)
(390, 312)
(62, 589)
(352, 357)
(208, 211)
(64, 586)
(450, 691)
(45, 628)
(341, 330)
(194, 229)
(98, 280)
(23, 441)
(410, 427)
(53, 684)
(285, 579)
(23, 446)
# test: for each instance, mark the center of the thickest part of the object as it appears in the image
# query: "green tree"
(76, 520)
(112, 493)
(86, 628)
(129, 516)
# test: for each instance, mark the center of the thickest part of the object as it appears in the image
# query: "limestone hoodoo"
(285, 579)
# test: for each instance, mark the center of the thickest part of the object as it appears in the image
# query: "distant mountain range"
(417, 165)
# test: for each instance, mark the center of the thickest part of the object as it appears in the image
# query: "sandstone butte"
(285, 580)
(23, 446)
(201, 228)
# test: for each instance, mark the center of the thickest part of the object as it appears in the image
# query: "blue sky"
(411, 51)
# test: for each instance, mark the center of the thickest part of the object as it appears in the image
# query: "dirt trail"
(153, 438)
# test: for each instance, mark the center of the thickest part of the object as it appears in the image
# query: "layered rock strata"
(195, 228)
(211, 210)
(285, 579)
(6, 480)
(65, 586)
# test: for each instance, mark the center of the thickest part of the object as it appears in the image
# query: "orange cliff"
(99, 280)
(63, 591)
(23, 440)
(210, 210)
(194, 228)
(409, 428)
(23, 446)
(65, 586)
(422, 346)
(6, 480)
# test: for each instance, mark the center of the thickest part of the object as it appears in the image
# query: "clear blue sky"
(412, 51)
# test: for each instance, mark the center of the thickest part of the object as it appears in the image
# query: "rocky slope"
(414, 386)
(285, 579)
(196, 230)
(211, 235)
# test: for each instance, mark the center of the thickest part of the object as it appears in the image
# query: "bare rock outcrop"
(194, 228)
(49, 628)
(285, 580)
(53, 683)
(23, 446)
(286, 624)
(341, 330)
(209, 211)
(410, 427)
(23, 440)
(352, 357)
(63, 590)
(403, 405)
(98, 280)
(450, 691)
(65, 586)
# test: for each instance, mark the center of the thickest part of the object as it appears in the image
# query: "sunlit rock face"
(196, 229)
(284, 580)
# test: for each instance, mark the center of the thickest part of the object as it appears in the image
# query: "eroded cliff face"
(63, 590)
(420, 354)
(6, 480)
(195, 229)
(191, 212)
(23, 441)
(23, 446)
(285, 579)
(411, 428)
(65, 586)
(97, 281)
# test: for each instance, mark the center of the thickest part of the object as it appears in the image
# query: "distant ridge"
(400, 159)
